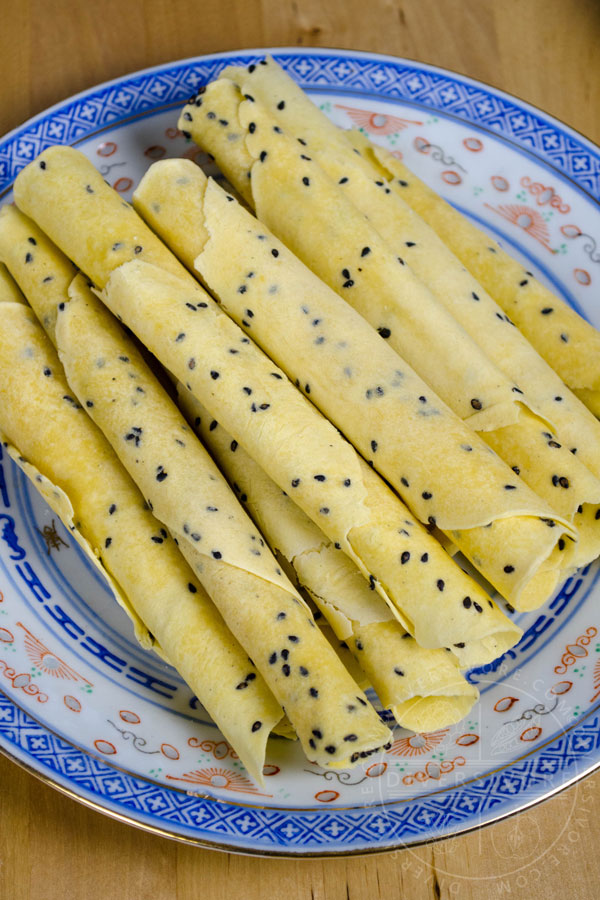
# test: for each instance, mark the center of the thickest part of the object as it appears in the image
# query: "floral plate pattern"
(86, 709)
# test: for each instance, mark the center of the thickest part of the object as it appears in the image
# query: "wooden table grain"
(544, 51)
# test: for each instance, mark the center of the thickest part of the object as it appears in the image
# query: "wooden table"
(544, 51)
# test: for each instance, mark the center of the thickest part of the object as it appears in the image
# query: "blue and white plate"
(83, 707)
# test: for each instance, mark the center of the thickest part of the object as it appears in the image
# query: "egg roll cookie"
(67, 459)
(292, 318)
(188, 494)
(319, 187)
(567, 342)
(333, 238)
(423, 688)
(451, 457)
(303, 452)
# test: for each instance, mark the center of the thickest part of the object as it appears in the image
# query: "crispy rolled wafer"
(423, 688)
(42, 273)
(198, 221)
(189, 495)
(323, 221)
(69, 462)
(567, 343)
(333, 238)
(85, 196)
(545, 319)
(318, 340)
(423, 455)
(306, 455)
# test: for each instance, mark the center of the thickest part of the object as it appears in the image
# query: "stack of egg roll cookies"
(334, 402)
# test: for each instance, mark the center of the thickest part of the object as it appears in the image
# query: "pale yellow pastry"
(423, 688)
(188, 494)
(67, 459)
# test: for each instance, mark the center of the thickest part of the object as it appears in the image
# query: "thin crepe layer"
(422, 687)
(189, 496)
(84, 196)
(42, 272)
(569, 345)
(9, 289)
(334, 239)
(324, 221)
(485, 320)
(306, 457)
(320, 341)
(77, 473)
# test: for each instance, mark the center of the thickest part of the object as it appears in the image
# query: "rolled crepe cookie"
(321, 343)
(324, 221)
(60, 189)
(41, 270)
(9, 289)
(189, 495)
(306, 456)
(382, 201)
(292, 315)
(483, 318)
(334, 239)
(422, 688)
(545, 319)
(93, 496)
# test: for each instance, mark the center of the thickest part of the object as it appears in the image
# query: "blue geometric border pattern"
(386, 77)
(294, 832)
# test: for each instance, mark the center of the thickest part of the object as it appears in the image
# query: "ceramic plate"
(87, 710)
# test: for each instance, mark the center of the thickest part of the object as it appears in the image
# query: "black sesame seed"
(108, 542)
(404, 482)
(28, 257)
(256, 726)
(467, 602)
(295, 482)
(313, 692)
(330, 749)
(351, 738)
(384, 332)
(281, 616)
(343, 180)
(510, 487)
(440, 584)
(398, 671)
(214, 375)
(477, 607)
(42, 165)
(509, 569)
(281, 104)
(306, 181)
(476, 404)
(303, 671)
(564, 338)
(320, 478)
(547, 310)
(286, 670)
(561, 544)
(405, 557)
(215, 553)
(425, 557)
(263, 155)
(374, 446)
(426, 495)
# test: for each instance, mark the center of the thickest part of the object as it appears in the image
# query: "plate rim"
(297, 851)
